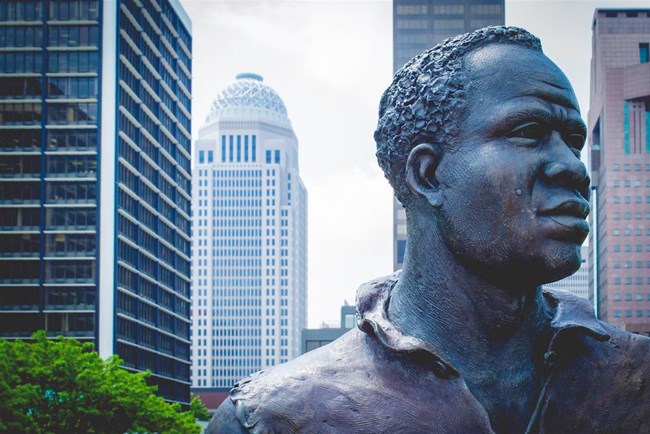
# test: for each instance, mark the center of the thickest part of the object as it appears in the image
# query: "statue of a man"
(480, 138)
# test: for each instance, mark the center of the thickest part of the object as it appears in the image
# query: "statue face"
(514, 191)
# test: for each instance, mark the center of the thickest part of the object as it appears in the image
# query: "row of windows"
(153, 175)
(628, 232)
(31, 113)
(156, 63)
(627, 167)
(628, 264)
(68, 298)
(65, 140)
(146, 288)
(628, 280)
(22, 87)
(21, 10)
(56, 192)
(70, 271)
(628, 297)
(155, 224)
(629, 313)
(73, 36)
(61, 61)
(68, 217)
(152, 267)
(140, 358)
(628, 199)
(151, 244)
(412, 38)
(21, 62)
(628, 216)
(58, 36)
(21, 36)
(139, 137)
(414, 24)
(147, 195)
(23, 218)
(629, 183)
(80, 325)
(73, 87)
(449, 9)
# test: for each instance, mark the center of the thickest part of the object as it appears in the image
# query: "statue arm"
(224, 420)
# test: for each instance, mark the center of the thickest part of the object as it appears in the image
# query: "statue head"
(480, 138)
(426, 99)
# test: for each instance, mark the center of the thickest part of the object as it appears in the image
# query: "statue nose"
(572, 174)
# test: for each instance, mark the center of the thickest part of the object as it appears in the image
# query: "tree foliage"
(62, 386)
(198, 409)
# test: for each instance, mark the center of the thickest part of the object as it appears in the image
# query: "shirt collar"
(567, 313)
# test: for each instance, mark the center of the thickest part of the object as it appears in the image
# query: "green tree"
(62, 386)
(197, 408)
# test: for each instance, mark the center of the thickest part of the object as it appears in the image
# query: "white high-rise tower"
(249, 275)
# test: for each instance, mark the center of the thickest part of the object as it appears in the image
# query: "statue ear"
(421, 167)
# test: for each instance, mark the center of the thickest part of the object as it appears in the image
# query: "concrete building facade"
(249, 241)
(417, 26)
(619, 130)
(95, 179)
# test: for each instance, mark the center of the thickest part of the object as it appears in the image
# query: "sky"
(330, 61)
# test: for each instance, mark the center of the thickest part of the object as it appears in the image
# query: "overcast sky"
(330, 61)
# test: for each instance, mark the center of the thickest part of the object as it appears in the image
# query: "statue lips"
(568, 219)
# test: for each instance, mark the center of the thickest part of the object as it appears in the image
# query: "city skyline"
(331, 78)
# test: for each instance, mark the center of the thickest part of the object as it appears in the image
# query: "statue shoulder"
(225, 420)
(289, 395)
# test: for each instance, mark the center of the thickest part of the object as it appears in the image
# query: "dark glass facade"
(153, 195)
(51, 164)
(48, 167)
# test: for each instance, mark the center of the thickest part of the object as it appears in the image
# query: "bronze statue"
(480, 138)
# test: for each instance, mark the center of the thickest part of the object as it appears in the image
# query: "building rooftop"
(247, 91)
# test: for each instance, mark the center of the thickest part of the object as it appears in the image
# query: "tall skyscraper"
(619, 131)
(417, 26)
(249, 274)
(95, 179)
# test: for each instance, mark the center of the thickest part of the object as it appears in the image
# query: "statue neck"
(440, 301)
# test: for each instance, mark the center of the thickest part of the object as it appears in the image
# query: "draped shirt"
(375, 379)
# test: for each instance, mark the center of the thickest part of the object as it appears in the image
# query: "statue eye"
(532, 130)
(576, 142)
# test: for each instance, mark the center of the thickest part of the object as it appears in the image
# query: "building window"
(644, 52)
(201, 157)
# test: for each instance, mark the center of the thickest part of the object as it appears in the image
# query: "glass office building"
(417, 26)
(249, 278)
(95, 179)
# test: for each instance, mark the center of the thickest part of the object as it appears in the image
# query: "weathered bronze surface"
(480, 138)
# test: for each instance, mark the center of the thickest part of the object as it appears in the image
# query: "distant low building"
(316, 338)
